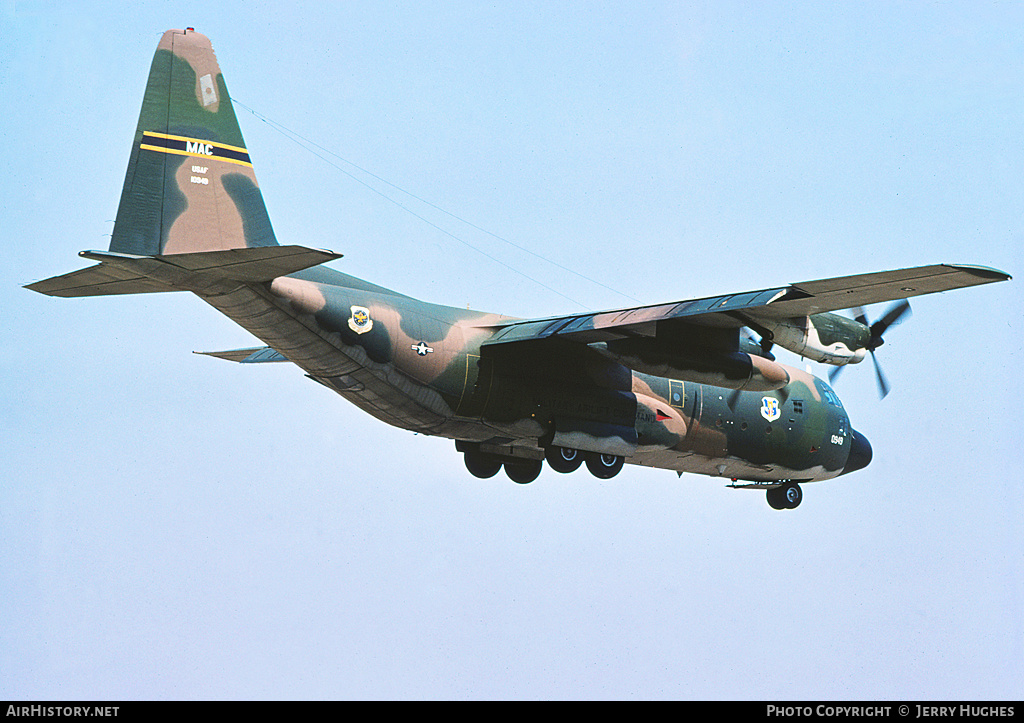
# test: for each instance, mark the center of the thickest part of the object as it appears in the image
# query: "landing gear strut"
(785, 497)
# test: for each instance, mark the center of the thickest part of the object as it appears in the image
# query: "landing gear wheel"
(786, 497)
(523, 471)
(481, 465)
(604, 466)
(563, 459)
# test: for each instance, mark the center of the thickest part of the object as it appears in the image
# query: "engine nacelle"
(828, 338)
(728, 369)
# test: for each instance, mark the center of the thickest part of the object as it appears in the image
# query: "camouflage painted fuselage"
(425, 368)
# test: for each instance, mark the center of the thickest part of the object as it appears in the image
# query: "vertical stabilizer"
(190, 184)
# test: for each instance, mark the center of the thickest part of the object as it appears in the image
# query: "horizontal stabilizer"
(198, 271)
(253, 355)
(98, 280)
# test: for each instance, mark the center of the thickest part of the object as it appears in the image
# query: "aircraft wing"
(737, 310)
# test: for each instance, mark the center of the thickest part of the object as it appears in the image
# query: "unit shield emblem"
(360, 321)
(770, 408)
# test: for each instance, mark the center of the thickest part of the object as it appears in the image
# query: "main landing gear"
(565, 460)
(484, 465)
(785, 497)
(523, 470)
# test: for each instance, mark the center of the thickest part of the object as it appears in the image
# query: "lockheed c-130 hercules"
(680, 386)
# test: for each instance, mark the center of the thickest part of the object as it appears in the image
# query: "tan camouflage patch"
(195, 49)
(305, 297)
(211, 220)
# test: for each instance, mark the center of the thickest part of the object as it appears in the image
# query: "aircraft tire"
(563, 459)
(604, 466)
(481, 465)
(775, 499)
(787, 497)
(523, 471)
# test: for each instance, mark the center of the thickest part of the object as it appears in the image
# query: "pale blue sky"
(174, 526)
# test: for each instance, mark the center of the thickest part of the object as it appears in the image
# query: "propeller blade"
(893, 316)
(833, 373)
(883, 384)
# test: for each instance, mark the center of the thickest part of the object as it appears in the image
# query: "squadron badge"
(360, 321)
(770, 408)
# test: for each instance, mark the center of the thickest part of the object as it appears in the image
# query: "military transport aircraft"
(681, 386)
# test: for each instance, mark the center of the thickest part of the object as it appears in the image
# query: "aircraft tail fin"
(190, 184)
(191, 216)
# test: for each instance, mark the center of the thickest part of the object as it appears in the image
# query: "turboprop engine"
(831, 338)
(827, 338)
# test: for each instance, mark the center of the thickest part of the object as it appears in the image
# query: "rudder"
(190, 184)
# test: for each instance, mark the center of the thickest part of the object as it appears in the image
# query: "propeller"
(893, 316)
